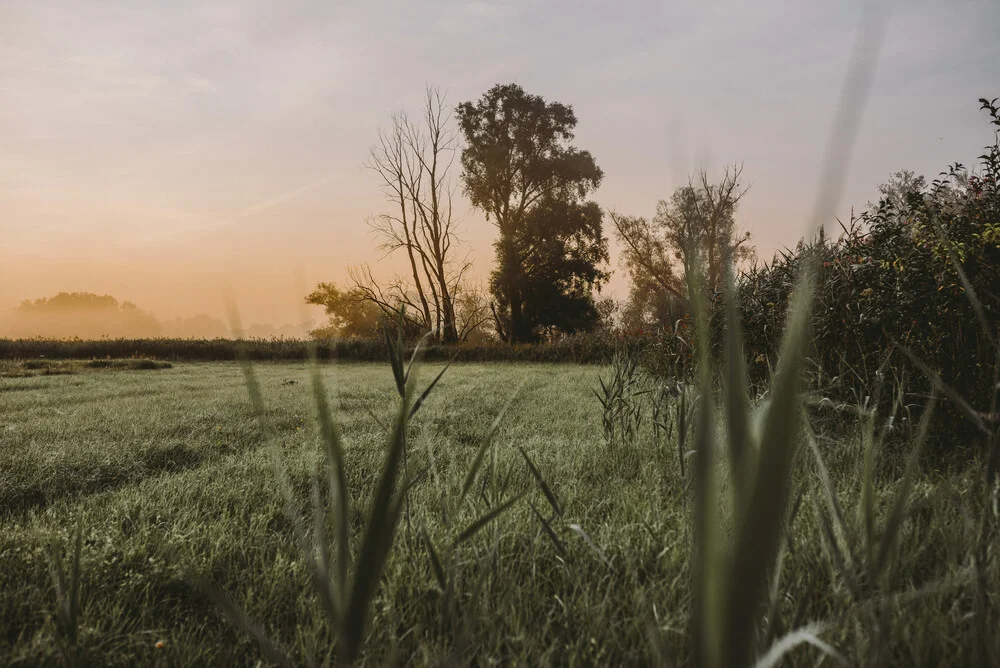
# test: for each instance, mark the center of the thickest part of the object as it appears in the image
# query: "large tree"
(521, 170)
(561, 250)
(696, 227)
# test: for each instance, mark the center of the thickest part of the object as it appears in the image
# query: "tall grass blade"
(376, 419)
(946, 390)
(436, 565)
(423, 395)
(758, 537)
(477, 462)
(774, 624)
(600, 553)
(415, 355)
(890, 535)
(395, 357)
(326, 587)
(682, 427)
(808, 635)
(67, 594)
(482, 521)
(378, 537)
(73, 603)
(240, 620)
(707, 569)
(993, 458)
(843, 566)
(548, 530)
(868, 488)
(836, 511)
(337, 482)
(737, 401)
(546, 490)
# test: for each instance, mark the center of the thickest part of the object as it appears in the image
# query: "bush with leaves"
(896, 279)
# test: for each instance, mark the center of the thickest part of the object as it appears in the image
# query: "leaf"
(378, 537)
(583, 534)
(423, 395)
(548, 530)
(240, 620)
(808, 634)
(890, 535)
(482, 521)
(436, 566)
(970, 292)
(541, 482)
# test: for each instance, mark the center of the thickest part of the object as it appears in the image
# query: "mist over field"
(90, 316)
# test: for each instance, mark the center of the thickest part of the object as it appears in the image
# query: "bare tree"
(698, 220)
(705, 215)
(414, 160)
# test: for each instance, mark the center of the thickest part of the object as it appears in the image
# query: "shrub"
(894, 278)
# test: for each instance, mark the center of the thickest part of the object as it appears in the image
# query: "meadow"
(801, 469)
(535, 542)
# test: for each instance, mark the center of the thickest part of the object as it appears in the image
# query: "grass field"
(170, 477)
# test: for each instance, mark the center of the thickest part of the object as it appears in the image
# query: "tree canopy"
(521, 170)
(351, 314)
(696, 227)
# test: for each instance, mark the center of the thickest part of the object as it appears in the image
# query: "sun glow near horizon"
(158, 153)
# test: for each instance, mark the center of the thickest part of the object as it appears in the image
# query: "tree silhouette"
(414, 160)
(520, 169)
(697, 221)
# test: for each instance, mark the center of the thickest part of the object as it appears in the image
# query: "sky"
(168, 152)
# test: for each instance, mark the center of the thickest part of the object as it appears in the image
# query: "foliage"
(658, 254)
(584, 348)
(895, 277)
(620, 397)
(560, 268)
(50, 367)
(351, 314)
(520, 169)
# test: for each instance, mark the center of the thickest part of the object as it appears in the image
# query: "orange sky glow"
(163, 153)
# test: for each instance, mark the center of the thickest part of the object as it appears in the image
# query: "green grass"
(170, 478)
(21, 368)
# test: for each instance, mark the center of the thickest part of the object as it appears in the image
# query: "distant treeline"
(86, 315)
(581, 349)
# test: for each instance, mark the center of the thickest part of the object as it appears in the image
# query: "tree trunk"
(517, 334)
(512, 275)
(450, 334)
